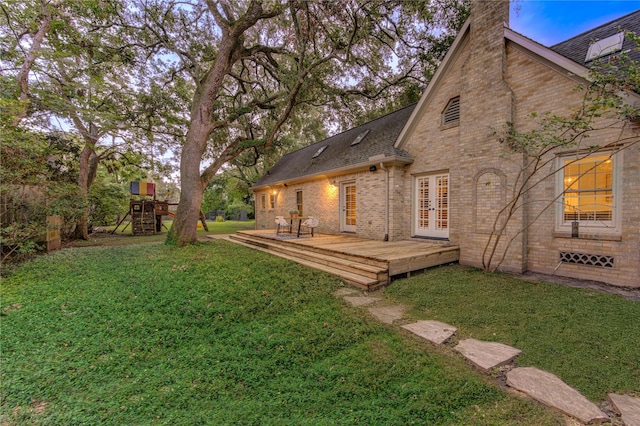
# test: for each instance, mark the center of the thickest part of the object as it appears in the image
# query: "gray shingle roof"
(339, 153)
(576, 47)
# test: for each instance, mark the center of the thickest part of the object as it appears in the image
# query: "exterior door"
(431, 211)
(348, 207)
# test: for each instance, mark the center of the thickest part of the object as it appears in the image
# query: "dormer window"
(361, 136)
(451, 113)
(319, 151)
(605, 46)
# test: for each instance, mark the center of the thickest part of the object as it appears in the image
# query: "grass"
(220, 334)
(123, 235)
(588, 339)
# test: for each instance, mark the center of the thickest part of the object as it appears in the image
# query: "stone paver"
(344, 291)
(551, 391)
(388, 314)
(434, 331)
(486, 355)
(362, 300)
(628, 407)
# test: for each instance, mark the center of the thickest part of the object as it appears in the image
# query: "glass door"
(431, 215)
(348, 203)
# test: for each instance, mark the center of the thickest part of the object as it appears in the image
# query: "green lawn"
(589, 339)
(221, 334)
(123, 235)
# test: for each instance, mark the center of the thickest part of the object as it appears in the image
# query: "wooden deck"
(368, 264)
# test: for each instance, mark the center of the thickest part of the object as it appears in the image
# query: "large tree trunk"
(185, 224)
(183, 231)
(88, 163)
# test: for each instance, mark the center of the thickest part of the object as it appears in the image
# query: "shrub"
(108, 201)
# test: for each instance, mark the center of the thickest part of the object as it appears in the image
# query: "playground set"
(146, 213)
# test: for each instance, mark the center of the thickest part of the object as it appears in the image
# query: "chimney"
(486, 106)
(486, 100)
(490, 12)
(488, 19)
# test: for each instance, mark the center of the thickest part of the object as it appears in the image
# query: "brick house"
(438, 170)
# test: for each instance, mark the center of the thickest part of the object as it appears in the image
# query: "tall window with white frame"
(299, 202)
(263, 201)
(272, 200)
(590, 193)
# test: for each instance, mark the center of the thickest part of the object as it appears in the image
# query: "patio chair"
(282, 225)
(309, 224)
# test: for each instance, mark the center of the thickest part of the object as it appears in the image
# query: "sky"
(551, 21)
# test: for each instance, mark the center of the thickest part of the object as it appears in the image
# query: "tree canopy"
(213, 83)
(245, 69)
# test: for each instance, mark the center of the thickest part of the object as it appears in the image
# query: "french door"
(431, 207)
(348, 207)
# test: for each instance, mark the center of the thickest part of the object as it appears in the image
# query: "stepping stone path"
(434, 331)
(486, 355)
(539, 385)
(628, 407)
(551, 391)
(388, 314)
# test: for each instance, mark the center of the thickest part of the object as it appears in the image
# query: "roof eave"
(572, 68)
(372, 161)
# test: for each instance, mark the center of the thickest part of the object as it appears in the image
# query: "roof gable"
(372, 141)
(441, 72)
(566, 57)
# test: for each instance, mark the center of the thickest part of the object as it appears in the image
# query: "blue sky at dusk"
(552, 21)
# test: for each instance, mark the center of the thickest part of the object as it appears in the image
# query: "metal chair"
(282, 225)
(309, 224)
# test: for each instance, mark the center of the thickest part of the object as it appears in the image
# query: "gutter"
(386, 202)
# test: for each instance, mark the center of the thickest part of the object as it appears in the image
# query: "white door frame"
(348, 203)
(431, 217)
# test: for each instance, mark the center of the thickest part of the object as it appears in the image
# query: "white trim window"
(299, 204)
(589, 191)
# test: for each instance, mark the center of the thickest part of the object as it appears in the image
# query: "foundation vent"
(587, 259)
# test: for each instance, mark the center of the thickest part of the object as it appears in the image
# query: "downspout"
(386, 210)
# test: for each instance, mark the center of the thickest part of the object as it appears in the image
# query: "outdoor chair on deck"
(309, 225)
(282, 225)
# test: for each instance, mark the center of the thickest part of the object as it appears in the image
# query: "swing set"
(146, 214)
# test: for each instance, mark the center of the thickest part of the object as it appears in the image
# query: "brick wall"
(539, 88)
(321, 198)
(469, 151)
(499, 84)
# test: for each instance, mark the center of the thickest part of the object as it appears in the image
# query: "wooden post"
(53, 240)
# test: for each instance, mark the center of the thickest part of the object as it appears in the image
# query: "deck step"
(334, 260)
(359, 274)
(329, 245)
